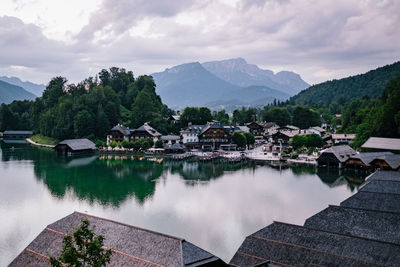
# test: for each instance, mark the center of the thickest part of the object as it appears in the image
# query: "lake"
(213, 205)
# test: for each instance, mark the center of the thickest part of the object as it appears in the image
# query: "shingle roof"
(124, 130)
(393, 160)
(343, 136)
(363, 231)
(147, 128)
(380, 226)
(170, 137)
(131, 245)
(367, 157)
(78, 144)
(193, 129)
(382, 143)
(18, 132)
(342, 153)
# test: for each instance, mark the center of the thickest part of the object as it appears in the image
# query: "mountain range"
(10, 92)
(219, 84)
(36, 89)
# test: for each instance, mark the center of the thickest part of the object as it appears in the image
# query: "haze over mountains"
(10, 92)
(36, 89)
(219, 84)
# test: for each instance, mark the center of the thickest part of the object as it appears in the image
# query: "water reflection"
(112, 179)
(214, 205)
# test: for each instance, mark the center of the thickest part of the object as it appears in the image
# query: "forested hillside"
(90, 108)
(333, 94)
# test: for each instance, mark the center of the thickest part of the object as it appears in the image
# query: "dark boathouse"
(17, 135)
(74, 146)
(131, 245)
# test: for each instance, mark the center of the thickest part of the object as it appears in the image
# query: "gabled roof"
(393, 160)
(217, 126)
(132, 246)
(367, 157)
(193, 129)
(382, 143)
(18, 132)
(121, 128)
(319, 129)
(342, 153)
(77, 144)
(289, 127)
(147, 128)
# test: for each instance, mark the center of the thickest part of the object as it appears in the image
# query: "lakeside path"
(37, 144)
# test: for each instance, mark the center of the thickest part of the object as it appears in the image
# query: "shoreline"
(37, 144)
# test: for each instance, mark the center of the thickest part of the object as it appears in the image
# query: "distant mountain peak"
(36, 89)
(238, 72)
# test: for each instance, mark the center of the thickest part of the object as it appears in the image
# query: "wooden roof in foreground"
(363, 231)
(131, 246)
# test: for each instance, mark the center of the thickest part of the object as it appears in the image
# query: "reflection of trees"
(336, 177)
(109, 181)
(303, 169)
(203, 171)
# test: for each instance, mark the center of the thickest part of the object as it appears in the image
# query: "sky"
(320, 40)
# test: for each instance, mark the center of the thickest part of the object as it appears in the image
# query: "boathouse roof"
(77, 144)
(132, 246)
(364, 230)
(391, 144)
(17, 132)
(367, 157)
(393, 160)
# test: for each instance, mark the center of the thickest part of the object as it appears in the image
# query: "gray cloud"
(318, 39)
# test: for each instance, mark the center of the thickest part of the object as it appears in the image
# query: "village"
(268, 143)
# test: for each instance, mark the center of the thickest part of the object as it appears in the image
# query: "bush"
(239, 139)
(100, 143)
(159, 144)
(113, 144)
(125, 144)
(294, 155)
(136, 145)
(151, 142)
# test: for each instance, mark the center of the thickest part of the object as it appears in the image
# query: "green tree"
(239, 139)
(304, 117)
(83, 124)
(159, 144)
(314, 140)
(221, 116)
(83, 248)
(195, 115)
(298, 141)
(143, 109)
(250, 139)
(280, 116)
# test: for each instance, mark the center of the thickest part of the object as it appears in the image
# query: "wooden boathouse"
(75, 146)
(335, 156)
(364, 230)
(131, 246)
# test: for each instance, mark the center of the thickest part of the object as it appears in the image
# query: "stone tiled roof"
(122, 129)
(363, 231)
(132, 246)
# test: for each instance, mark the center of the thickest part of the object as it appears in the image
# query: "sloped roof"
(393, 160)
(319, 129)
(121, 128)
(283, 243)
(193, 129)
(132, 246)
(382, 143)
(344, 136)
(376, 225)
(367, 157)
(290, 127)
(175, 147)
(147, 128)
(78, 144)
(342, 153)
(170, 137)
(374, 201)
(18, 132)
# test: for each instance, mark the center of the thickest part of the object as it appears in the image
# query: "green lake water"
(213, 205)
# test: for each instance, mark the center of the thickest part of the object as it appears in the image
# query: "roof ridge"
(344, 207)
(131, 226)
(336, 233)
(315, 250)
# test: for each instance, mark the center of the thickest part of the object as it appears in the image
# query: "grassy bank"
(44, 140)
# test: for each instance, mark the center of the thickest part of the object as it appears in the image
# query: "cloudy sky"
(320, 40)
